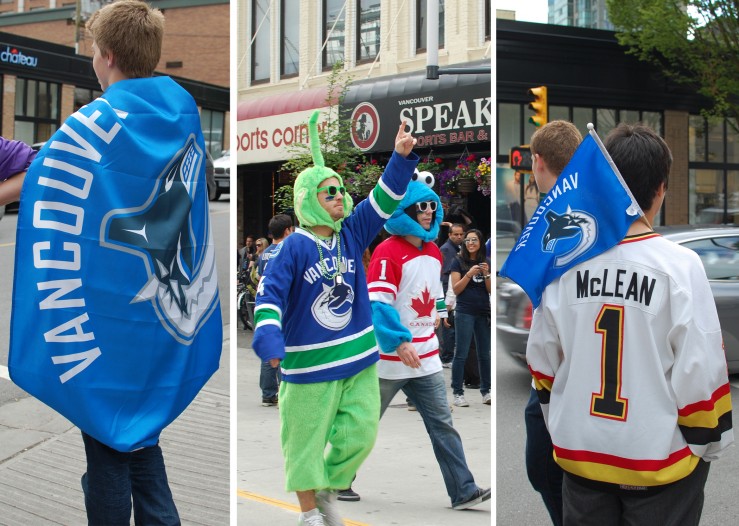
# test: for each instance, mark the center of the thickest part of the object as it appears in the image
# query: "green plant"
(466, 168)
(283, 199)
(363, 179)
(339, 153)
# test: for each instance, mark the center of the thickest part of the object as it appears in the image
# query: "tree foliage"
(339, 153)
(693, 42)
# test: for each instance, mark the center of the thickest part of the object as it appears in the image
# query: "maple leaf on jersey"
(424, 306)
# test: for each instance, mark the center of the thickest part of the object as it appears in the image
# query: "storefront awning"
(288, 102)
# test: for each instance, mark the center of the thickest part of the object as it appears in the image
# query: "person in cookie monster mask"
(313, 318)
(407, 304)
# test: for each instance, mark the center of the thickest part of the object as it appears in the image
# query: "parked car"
(718, 248)
(223, 174)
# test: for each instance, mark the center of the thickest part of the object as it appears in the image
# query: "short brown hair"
(555, 142)
(131, 30)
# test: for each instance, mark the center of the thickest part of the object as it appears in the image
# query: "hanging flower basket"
(364, 178)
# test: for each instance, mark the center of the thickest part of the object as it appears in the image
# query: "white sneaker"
(486, 399)
(327, 502)
(311, 518)
(459, 401)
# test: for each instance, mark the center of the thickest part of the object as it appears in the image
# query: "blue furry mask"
(401, 224)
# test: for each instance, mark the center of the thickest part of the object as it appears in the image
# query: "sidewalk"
(42, 459)
(400, 483)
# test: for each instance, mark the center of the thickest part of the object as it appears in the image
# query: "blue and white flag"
(588, 211)
(116, 320)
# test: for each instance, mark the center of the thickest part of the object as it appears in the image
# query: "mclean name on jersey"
(635, 287)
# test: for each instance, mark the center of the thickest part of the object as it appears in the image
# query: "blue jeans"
(269, 380)
(429, 395)
(114, 478)
(544, 473)
(446, 339)
(467, 326)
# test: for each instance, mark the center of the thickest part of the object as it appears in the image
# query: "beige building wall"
(464, 42)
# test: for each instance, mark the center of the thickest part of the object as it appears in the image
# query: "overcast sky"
(526, 10)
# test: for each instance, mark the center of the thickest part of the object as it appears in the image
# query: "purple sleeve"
(15, 156)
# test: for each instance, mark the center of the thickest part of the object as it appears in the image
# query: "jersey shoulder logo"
(163, 232)
(568, 235)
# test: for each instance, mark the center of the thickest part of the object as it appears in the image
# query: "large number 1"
(608, 403)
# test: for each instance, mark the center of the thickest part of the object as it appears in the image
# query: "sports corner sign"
(271, 138)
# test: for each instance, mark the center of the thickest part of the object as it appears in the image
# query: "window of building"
(713, 174)
(421, 24)
(509, 128)
(368, 33)
(260, 37)
(212, 123)
(290, 31)
(84, 96)
(37, 108)
(334, 32)
(514, 129)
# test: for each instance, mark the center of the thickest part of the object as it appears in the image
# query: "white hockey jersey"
(406, 279)
(627, 358)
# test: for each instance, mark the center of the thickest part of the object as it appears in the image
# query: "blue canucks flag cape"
(116, 320)
(588, 211)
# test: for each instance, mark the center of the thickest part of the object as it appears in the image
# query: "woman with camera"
(470, 277)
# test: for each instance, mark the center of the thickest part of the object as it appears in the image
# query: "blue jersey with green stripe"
(320, 329)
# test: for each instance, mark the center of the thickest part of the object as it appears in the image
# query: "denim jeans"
(466, 326)
(429, 395)
(544, 473)
(114, 478)
(446, 341)
(269, 380)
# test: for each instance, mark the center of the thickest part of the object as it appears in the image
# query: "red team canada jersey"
(408, 279)
(628, 362)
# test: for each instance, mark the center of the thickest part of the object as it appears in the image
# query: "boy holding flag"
(625, 348)
(116, 320)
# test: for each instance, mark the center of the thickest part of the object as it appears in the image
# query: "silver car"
(718, 248)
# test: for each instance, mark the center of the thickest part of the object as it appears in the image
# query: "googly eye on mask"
(426, 178)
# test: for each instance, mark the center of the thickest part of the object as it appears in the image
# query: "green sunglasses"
(332, 190)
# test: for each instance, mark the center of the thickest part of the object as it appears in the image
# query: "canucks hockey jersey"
(406, 279)
(322, 329)
(627, 358)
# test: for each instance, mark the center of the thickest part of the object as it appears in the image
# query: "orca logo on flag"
(332, 308)
(571, 234)
(170, 232)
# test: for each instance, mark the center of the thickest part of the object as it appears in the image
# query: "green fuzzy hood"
(305, 199)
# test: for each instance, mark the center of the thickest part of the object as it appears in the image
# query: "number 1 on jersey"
(609, 403)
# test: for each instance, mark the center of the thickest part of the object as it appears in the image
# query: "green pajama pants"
(343, 414)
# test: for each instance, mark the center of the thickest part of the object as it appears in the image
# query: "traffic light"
(539, 105)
